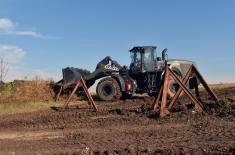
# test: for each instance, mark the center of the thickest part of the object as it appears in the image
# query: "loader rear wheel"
(108, 89)
(173, 86)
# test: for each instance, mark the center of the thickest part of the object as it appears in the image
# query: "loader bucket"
(70, 76)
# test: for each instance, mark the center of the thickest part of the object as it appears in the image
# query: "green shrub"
(7, 87)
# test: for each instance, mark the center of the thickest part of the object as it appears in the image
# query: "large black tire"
(173, 87)
(108, 89)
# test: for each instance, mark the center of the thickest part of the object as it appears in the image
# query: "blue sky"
(43, 36)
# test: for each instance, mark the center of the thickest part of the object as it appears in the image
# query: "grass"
(222, 86)
(219, 86)
(103, 117)
(25, 107)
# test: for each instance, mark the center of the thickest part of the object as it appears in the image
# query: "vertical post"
(163, 110)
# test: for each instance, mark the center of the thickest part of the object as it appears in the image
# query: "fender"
(120, 80)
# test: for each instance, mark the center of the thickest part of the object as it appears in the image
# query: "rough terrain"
(123, 127)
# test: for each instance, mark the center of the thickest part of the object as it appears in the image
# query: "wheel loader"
(144, 75)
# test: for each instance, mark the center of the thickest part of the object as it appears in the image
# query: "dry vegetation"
(27, 91)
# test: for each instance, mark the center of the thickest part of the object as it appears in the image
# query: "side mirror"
(164, 54)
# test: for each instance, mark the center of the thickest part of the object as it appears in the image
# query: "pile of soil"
(35, 90)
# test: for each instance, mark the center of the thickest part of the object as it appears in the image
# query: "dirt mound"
(35, 90)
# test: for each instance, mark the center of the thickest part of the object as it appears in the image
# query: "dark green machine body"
(115, 81)
(105, 69)
(147, 69)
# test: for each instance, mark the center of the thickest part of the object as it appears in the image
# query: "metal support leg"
(194, 99)
(205, 85)
(156, 102)
(73, 92)
(163, 110)
(91, 101)
(185, 79)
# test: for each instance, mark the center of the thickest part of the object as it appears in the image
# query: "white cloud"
(25, 74)
(15, 73)
(6, 24)
(11, 54)
(7, 27)
(25, 33)
(41, 73)
(14, 56)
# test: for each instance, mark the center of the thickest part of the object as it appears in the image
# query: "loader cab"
(142, 59)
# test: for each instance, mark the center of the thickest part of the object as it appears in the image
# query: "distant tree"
(3, 69)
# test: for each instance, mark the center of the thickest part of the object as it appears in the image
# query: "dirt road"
(124, 127)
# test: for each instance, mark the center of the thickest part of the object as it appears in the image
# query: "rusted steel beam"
(81, 83)
(156, 102)
(163, 109)
(204, 83)
(73, 92)
(185, 79)
(90, 99)
(192, 72)
(194, 99)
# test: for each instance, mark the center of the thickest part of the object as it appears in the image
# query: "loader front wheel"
(108, 89)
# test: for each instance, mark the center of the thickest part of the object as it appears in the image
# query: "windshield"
(136, 57)
(149, 59)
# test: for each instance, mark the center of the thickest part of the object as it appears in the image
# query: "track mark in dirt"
(38, 135)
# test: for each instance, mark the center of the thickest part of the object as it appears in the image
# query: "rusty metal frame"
(81, 83)
(59, 93)
(164, 108)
